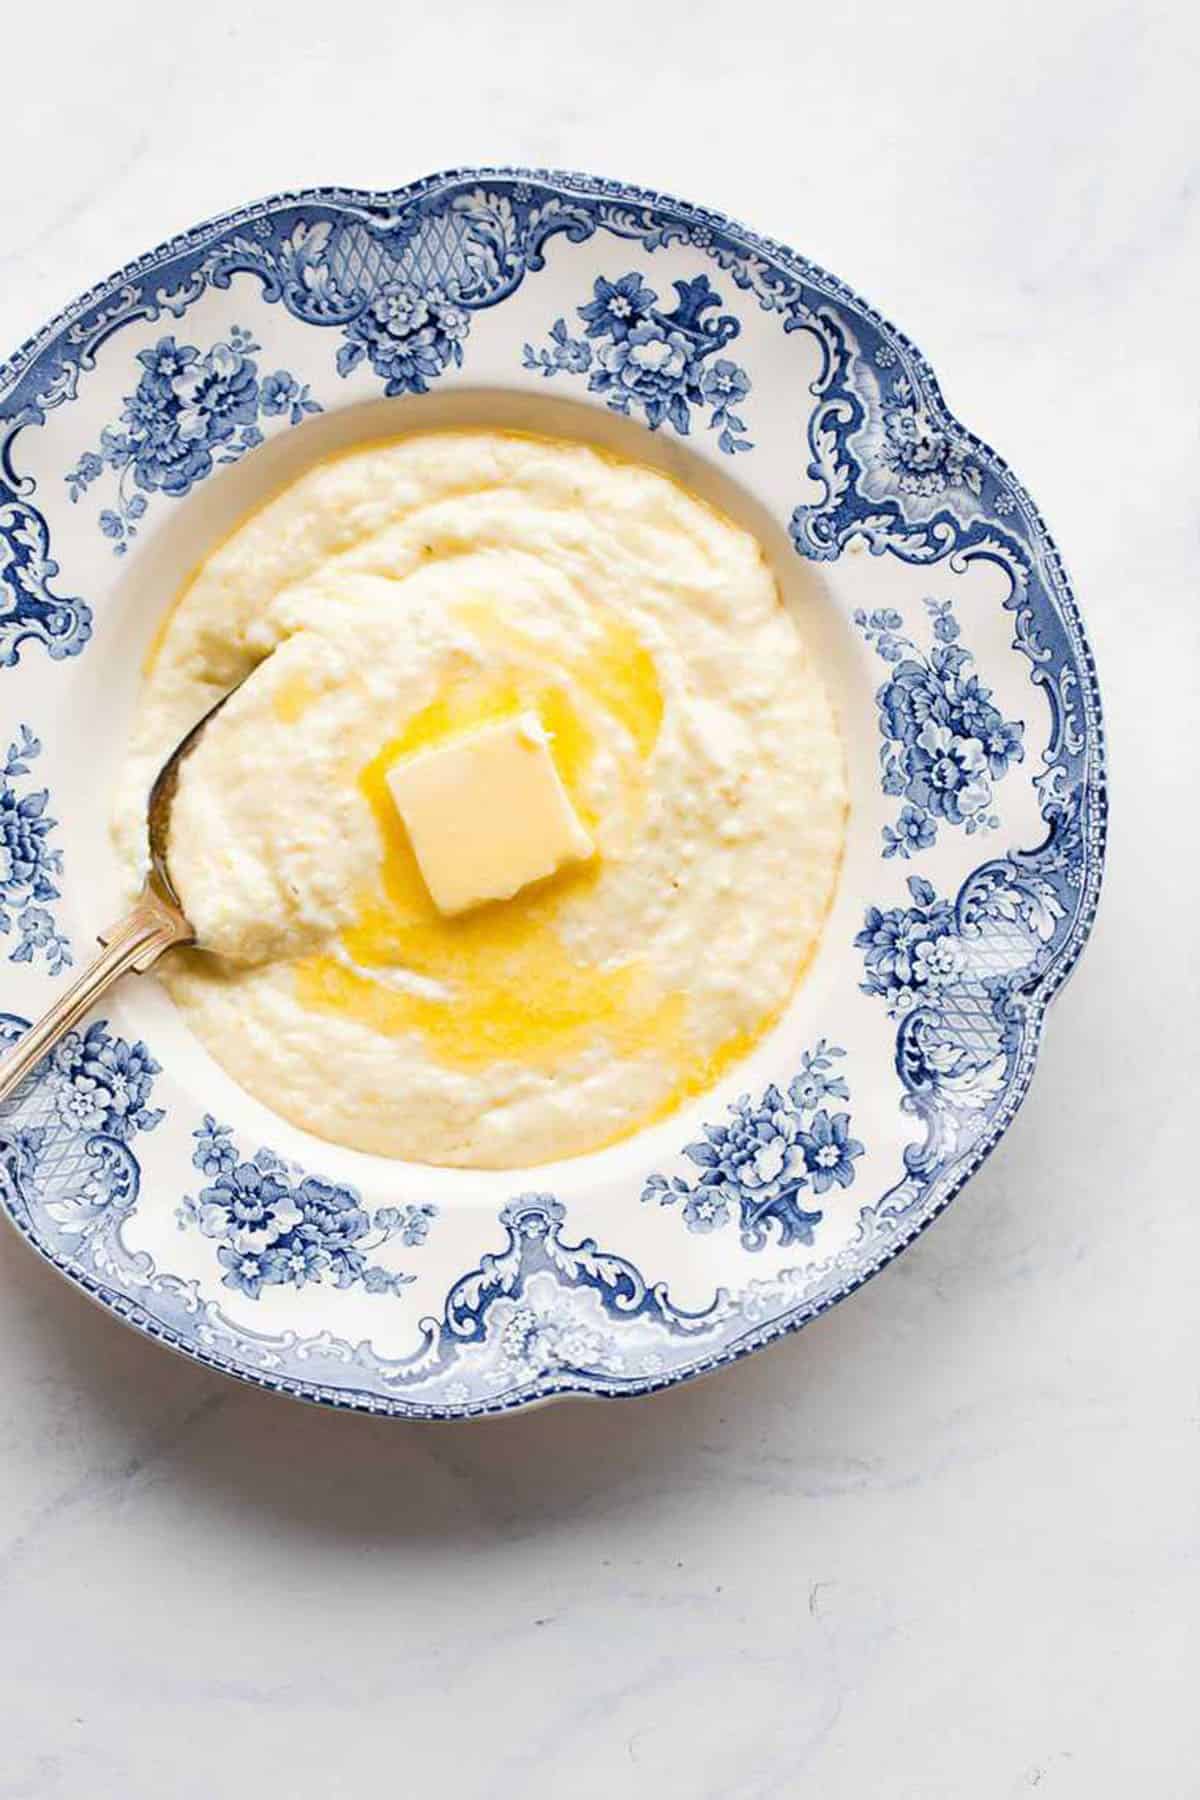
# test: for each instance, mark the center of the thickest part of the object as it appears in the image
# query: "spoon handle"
(150, 927)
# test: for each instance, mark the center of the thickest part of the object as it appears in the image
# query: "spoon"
(156, 922)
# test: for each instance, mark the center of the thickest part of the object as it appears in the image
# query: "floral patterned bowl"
(153, 412)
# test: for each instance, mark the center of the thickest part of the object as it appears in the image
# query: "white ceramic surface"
(943, 1543)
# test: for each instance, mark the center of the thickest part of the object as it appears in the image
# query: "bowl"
(146, 419)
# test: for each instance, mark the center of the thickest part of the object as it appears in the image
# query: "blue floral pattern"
(945, 744)
(644, 359)
(191, 410)
(410, 335)
(924, 458)
(100, 1083)
(276, 1226)
(754, 1168)
(29, 864)
(910, 952)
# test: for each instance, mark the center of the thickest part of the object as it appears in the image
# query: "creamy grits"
(410, 591)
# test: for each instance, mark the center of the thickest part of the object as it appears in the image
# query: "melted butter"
(506, 987)
(616, 672)
(533, 1005)
(620, 674)
(512, 990)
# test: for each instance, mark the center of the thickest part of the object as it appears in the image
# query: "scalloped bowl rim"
(1037, 996)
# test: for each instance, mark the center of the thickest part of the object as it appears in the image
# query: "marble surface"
(944, 1543)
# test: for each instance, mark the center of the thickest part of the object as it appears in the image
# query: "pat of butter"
(487, 813)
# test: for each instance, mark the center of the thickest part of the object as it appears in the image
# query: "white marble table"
(945, 1542)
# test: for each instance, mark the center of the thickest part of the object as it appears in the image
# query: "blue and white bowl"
(149, 416)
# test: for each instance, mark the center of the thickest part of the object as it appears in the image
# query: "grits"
(412, 590)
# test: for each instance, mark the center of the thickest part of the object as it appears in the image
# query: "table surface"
(943, 1543)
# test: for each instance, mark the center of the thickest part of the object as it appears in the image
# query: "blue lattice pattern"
(359, 261)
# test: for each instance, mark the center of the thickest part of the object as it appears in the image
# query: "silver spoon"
(156, 922)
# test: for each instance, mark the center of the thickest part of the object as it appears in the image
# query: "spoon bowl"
(155, 923)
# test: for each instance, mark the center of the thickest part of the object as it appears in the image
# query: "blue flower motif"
(215, 395)
(101, 1083)
(39, 932)
(970, 710)
(915, 831)
(281, 393)
(723, 384)
(886, 620)
(814, 1083)
(126, 1072)
(278, 391)
(572, 355)
(565, 355)
(400, 309)
(415, 1227)
(294, 1260)
(644, 359)
(23, 829)
(890, 940)
(907, 950)
(84, 473)
(649, 365)
(67, 1053)
(214, 1153)
(617, 307)
(938, 961)
(329, 1215)
(945, 626)
(944, 740)
(247, 1196)
(244, 1269)
(1003, 744)
(269, 1162)
(757, 1154)
(116, 448)
(754, 1167)
(189, 410)
(170, 462)
(165, 361)
(453, 321)
(829, 1151)
(895, 775)
(923, 457)
(948, 774)
(706, 1211)
(410, 336)
(910, 700)
(81, 1103)
(347, 1266)
(276, 1227)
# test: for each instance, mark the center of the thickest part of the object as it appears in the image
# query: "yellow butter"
(487, 813)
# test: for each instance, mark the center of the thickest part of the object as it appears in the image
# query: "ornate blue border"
(931, 481)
